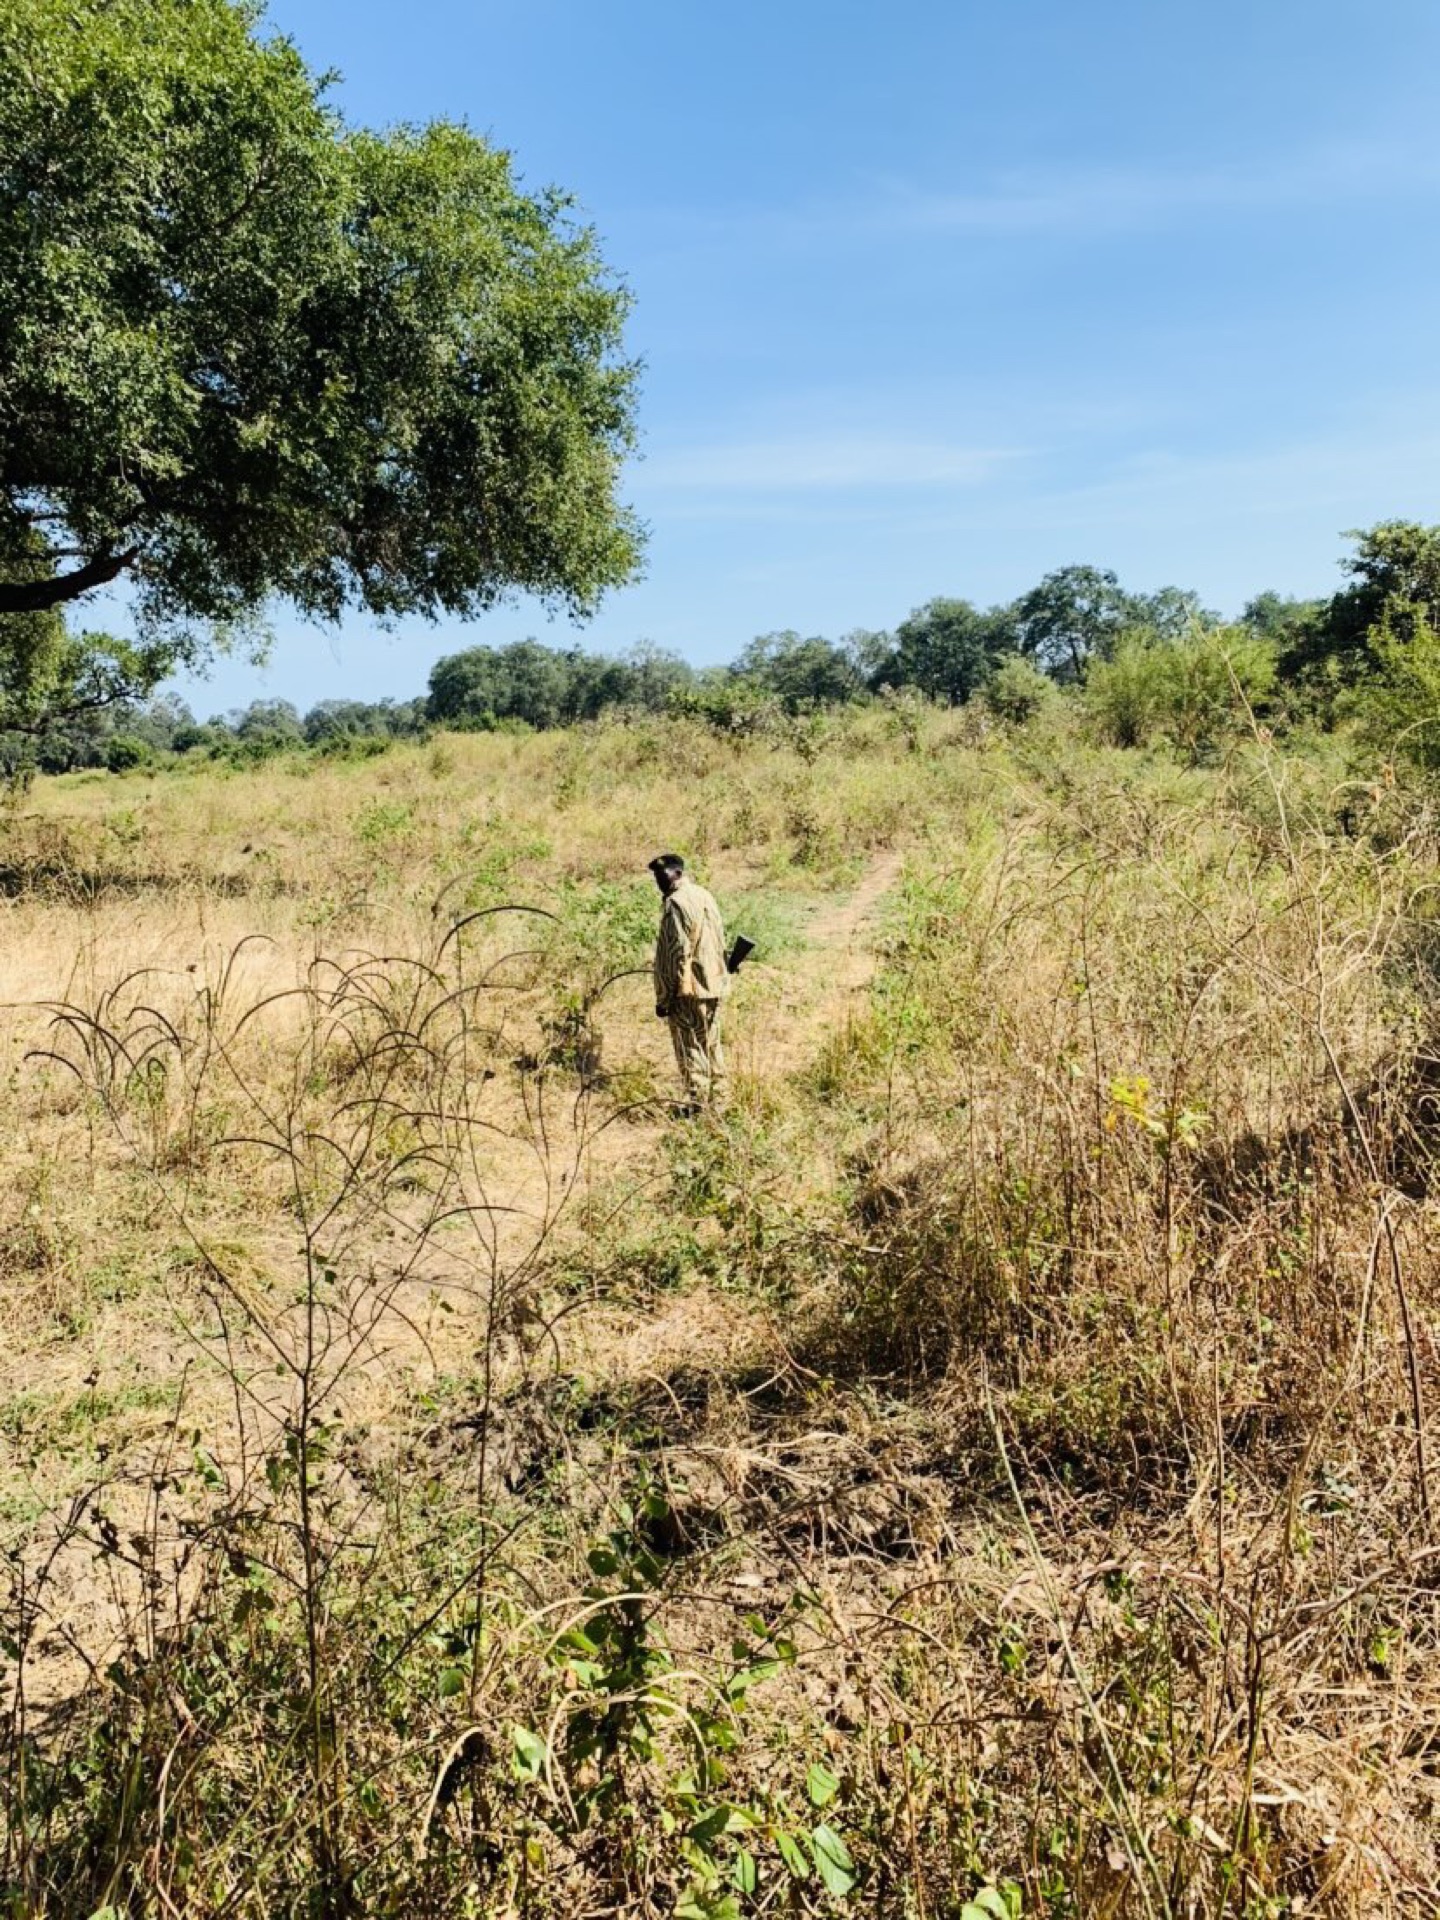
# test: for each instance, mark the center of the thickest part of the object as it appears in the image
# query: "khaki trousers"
(695, 1033)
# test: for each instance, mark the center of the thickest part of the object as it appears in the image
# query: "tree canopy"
(1072, 616)
(544, 687)
(947, 649)
(248, 351)
(800, 671)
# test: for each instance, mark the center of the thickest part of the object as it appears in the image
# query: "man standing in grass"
(691, 981)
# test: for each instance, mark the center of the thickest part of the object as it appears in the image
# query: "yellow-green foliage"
(1194, 691)
(1400, 707)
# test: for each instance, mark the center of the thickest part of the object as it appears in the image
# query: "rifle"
(739, 953)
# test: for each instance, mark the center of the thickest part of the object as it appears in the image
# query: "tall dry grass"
(995, 1466)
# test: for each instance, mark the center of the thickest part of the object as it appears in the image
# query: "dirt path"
(780, 1018)
(811, 994)
(844, 930)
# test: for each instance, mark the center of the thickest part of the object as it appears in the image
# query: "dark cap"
(667, 863)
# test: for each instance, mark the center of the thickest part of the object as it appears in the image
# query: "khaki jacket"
(690, 953)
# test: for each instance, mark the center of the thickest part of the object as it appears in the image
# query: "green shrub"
(1018, 692)
(1191, 691)
(192, 737)
(1125, 695)
(1399, 710)
(124, 753)
(382, 820)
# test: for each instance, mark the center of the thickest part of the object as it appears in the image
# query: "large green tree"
(1394, 584)
(1329, 647)
(481, 685)
(249, 351)
(801, 671)
(947, 648)
(1076, 614)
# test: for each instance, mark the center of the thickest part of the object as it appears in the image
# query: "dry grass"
(995, 1464)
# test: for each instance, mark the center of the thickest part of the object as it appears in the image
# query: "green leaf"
(745, 1873)
(452, 1681)
(832, 1860)
(990, 1900)
(711, 1827)
(648, 1570)
(821, 1785)
(740, 1683)
(528, 1752)
(792, 1854)
(695, 1904)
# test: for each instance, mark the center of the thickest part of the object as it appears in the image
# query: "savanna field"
(990, 1470)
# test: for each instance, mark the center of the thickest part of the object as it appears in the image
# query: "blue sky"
(933, 298)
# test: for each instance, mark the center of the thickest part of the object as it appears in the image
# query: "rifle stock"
(739, 953)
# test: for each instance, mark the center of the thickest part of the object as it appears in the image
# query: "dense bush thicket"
(1137, 669)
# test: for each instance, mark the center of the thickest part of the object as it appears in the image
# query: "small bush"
(1018, 692)
(124, 754)
(1399, 710)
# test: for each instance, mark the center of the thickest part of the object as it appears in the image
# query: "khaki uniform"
(691, 983)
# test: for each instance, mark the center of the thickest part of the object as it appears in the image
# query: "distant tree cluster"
(948, 650)
(126, 734)
(530, 685)
(1144, 666)
(1140, 667)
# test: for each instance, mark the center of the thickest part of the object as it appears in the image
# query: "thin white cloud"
(1078, 201)
(806, 463)
(1117, 199)
(1345, 479)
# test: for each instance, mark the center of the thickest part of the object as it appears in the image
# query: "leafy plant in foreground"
(638, 1765)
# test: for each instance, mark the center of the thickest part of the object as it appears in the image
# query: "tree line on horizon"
(1145, 664)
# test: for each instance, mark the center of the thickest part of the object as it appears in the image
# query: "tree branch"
(33, 596)
(59, 716)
